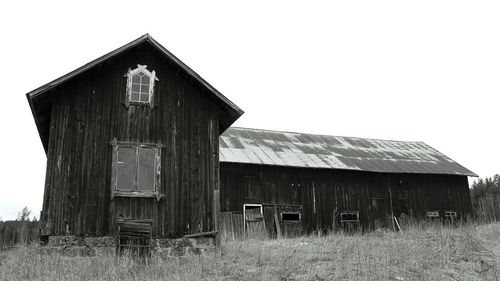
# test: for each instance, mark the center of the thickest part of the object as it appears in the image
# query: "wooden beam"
(216, 210)
(277, 223)
(201, 234)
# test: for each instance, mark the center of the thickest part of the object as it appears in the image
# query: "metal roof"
(255, 146)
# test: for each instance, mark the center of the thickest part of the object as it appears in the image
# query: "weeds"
(421, 252)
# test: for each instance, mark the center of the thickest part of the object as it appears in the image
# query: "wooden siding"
(88, 112)
(322, 191)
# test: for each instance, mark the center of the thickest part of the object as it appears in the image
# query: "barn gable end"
(84, 120)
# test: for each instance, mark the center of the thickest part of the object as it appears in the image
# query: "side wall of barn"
(318, 193)
(88, 112)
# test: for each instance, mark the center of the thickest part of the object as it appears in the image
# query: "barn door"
(400, 205)
(254, 224)
(380, 212)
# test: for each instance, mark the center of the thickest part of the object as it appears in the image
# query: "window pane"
(136, 87)
(145, 97)
(136, 78)
(134, 97)
(126, 168)
(146, 169)
(145, 89)
(145, 80)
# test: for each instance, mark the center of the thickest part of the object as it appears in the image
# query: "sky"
(403, 70)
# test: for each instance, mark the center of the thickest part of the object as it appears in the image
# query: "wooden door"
(255, 227)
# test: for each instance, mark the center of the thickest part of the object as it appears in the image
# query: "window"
(136, 170)
(290, 216)
(450, 214)
(140, 86)
(432, 214)
(350, 216)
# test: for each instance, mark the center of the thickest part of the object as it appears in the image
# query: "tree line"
(23, 230)
(485, 195)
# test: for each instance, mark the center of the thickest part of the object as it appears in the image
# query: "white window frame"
(152, 78)
(450, 214)
(259, 206)
(432, 214)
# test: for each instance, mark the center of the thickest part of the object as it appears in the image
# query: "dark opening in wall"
(290, 216)
(349, 216)
(252, 206)
(450, 214)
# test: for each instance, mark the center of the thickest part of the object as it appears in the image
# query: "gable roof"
(263, 147)
(229, 112)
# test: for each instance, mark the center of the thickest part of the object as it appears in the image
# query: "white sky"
(403, 70)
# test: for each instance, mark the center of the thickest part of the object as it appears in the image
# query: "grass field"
(420, 253)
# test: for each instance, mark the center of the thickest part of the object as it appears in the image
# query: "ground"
(466, 252)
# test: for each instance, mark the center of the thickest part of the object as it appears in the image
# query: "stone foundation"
(183, 246)
(105, 245)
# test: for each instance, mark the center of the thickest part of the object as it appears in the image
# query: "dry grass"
(420, 253)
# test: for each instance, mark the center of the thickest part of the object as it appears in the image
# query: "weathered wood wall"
(320, 192)
(88, 111)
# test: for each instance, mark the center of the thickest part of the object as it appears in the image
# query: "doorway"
(253, 221)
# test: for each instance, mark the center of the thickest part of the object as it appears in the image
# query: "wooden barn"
(131, 136)
(293, 183)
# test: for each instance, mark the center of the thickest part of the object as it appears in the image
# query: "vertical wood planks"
(323, 191)
(89, 112)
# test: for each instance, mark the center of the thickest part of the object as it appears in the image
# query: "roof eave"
(471, 174)
(191, 72)
(230, 110)
(30, 102)
(144, 38)
(40, 90)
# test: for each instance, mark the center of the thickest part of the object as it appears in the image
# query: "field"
(467, 252)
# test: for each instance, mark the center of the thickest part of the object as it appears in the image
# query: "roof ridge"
(280, 131)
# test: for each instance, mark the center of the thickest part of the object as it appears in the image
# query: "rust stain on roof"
(255, 146)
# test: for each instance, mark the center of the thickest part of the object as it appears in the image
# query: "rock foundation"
(105, 245)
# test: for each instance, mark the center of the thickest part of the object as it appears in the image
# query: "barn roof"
(40, 108)
(263, 147)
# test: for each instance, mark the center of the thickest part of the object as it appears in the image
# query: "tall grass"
(421, 252)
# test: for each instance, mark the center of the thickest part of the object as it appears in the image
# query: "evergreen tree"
(485, 195)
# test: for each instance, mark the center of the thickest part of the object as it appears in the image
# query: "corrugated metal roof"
(255, 146)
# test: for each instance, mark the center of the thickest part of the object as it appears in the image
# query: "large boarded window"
(136, 169)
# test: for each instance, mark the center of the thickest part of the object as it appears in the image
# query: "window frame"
(450, 214)
(155, 193)
(432, 214)
(152, 78)
(348, 213)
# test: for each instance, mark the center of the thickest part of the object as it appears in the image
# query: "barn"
(138, 143)
(132, 141)
(293, 183)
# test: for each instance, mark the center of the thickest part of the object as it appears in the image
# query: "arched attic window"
(140, 86)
